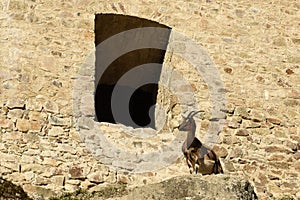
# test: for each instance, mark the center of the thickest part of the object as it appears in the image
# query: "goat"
(199, 157)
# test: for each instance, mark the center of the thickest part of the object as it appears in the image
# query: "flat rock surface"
(221, 187)
(196, 187)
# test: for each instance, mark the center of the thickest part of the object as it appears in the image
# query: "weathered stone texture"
(192, 187)
(47, 88)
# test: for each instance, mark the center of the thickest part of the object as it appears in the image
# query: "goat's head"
(188, 122)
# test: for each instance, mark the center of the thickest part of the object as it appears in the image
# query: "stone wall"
(47, 86)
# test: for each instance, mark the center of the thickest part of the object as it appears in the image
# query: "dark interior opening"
(143, 97)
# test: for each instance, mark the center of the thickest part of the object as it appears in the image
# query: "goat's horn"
(189, 115)
(196, 112)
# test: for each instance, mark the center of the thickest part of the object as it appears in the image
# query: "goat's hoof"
(197, 169)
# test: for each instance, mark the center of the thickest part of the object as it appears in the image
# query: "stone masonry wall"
(47, 85)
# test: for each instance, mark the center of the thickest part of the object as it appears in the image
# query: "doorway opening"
(107, 77)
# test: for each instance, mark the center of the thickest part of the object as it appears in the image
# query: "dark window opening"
(143, 97)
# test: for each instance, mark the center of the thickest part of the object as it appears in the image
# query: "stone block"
(40, 180)
(28, 159)
(23, 125)
(66, 148)
(293, 94)
(280, 41)
(95, 177)
(32, 152)
(6, 124)
(4, 171)
(8, 157)
(290, 184)
(51, 162)
(257, 116)
(76, 172)
(123, 179)
(56, 131)
(263, 178)
(31, 137)
(52, 107)
(295, 138)
(276, 157)
(11, 165)
(41, 192)
(242, 111)
(75, 136)
(237, 152)
(52, 171)
(231, 140)
(86, 123)
(35, 126)
(32, 167)
(279, 165)
(298, 195)
(274, 120)
(58, 180)
(15, 103)
(222, 152)
(13, 136)
(110, 178)
(250, 124)
(279, 133)
(232, 123)
(29, 175)
(297, 166)
(34, 104)
(71, 187)
(58, 121)
(262, 131)
(49, 153)
(15, 114)
(87, 105)
(242, 132)
(16, 177)
(73, 182)
(274, 149)
(37, 116)
(291, 102)
(86, 184)
(249, 168)
(274, 188)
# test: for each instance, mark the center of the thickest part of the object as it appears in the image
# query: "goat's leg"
(193, 159)
(199, 160)
(192, 165)
(195, 162)
(188, 163)
(218, 167)
(197, 168)
(191, 168)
